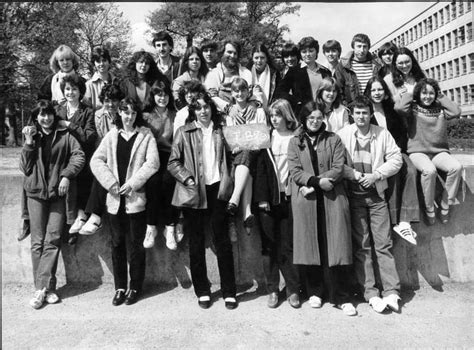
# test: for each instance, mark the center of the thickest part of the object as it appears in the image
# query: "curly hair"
(75, 81)
(191, 86)
(421, 85)
(151, 75)
(194, 105)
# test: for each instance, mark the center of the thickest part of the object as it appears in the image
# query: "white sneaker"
(178, 232)
(51, 297)
(377, 304)
(392, 302)
(77, 225)
(38, 300)
(169, 236)
(315, 302)
(150, 235)
(91, 226)
(406, 232)
(348, 309)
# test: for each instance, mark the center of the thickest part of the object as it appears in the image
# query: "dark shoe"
(230, 303)
(231, 208)
(272, 300)
(294, 300)
(250, 221)
(25, 231)
(119, 297)
(132, 297)
(204, 302)
(72, 238)
(430, 218)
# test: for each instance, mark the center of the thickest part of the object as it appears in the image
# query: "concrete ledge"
(443, 253)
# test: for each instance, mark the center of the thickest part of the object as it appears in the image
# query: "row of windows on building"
(449, 12)
(463, 95)
(447, 42)
(452, 69)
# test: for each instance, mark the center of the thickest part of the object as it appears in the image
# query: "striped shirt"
(363, 71)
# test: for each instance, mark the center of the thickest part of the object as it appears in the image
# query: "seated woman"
(142, 72)
(51, 157)
(159, 117)
(125, 159)
(321, 220)
(428, 112)
(194, 68)
(198, 162)
(328, 96)
(243, 112)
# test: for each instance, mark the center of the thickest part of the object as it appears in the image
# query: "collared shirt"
(93, 88)
(210, 163)
(127, 135)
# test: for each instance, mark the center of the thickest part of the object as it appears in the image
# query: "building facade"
(441, 39)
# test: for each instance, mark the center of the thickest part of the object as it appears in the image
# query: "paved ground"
(172, 319)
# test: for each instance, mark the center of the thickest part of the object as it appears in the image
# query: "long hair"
(158, 87)
(111, 92)
(191, 86)
(387, 103)
(422, 85)
(153, 73)
(123, 106)
(203, 70)
(305, 112)
(328, 84)
(215, 116)
(260, 47)
(283, 108)
(63, 51)
(415, 71)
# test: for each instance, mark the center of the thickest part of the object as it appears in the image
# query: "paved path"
(172, 319)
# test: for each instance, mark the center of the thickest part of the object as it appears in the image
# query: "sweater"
(427, 127)
(144, 162)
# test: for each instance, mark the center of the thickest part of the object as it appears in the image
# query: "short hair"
(190, 86)
(60, 52)
(157, 87)
(209, 44)
(111, 92)
(100, 52)
(362, 38)
(283, 108)
(290, 49)
(332, 45)
(308, 42)
(215, 116)
(362, 101)
(235, 43)
(184, 63)
(239, 84)
(43, 107)
(421, 85)
(387, 47)
(123, 106)
(327, 84)
(163, 36)
(76, 81)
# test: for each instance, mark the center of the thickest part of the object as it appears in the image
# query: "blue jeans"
(47, 220)
(371, 224)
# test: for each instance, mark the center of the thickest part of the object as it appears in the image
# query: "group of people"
(148, 151)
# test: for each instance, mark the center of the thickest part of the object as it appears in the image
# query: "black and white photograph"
(237, 175)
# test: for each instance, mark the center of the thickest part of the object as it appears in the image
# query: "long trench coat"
(306, 250)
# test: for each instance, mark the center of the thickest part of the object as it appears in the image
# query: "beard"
(229, 62)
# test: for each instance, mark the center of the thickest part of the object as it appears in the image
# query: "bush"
(461, 133)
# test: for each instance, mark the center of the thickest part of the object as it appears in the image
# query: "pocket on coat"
(185, 196)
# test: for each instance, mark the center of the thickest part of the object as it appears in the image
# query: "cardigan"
(144, 162)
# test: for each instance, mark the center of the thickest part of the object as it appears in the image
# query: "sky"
(322, 20)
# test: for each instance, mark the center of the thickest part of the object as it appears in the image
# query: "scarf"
(264, 81)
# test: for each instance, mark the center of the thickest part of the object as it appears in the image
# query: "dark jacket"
(347, 79)
(396, 125)
(297, 82)
(67, 160)
(82, 126)
(186, 162)
(175, 70)
(266, 185)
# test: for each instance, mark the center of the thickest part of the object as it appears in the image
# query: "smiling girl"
(428, 112)
(50, 159)
(328, 96)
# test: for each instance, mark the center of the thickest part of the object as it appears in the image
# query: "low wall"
(443, 253)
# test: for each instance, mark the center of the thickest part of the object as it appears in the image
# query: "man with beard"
(219, 79)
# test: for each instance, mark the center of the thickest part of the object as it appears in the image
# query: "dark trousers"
(96, 200)
(84, 185)
(128, 232)
(277, 247)
(47, 220)
(324, 280)
(194, 220)
(159, 193)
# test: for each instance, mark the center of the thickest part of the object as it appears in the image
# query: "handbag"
(185, 196)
